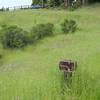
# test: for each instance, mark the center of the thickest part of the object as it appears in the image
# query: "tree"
(55, 2)
(41, 2)
(44, 2)
(65, 3)
(36, 1)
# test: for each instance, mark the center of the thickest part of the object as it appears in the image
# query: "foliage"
(69, 26)
(1, 56)
(33, 74)
(72, 4)
(13, 37)
(53, 3)
(1, 9)
(36, 1)
(42, 30)
(75, 5)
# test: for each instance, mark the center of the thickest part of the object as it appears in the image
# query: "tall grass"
(33, 73)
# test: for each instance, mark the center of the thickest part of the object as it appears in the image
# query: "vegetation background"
(32, 73)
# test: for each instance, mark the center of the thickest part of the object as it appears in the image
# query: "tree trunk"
(66, 3)
(84, 2)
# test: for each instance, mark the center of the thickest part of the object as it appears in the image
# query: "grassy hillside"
(33, 73)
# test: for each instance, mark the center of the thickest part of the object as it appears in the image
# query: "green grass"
(33, 73)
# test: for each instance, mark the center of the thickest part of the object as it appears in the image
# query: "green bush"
(2, 53)
(42, 30)
(14, 37)
(75, 5)
(1, 56)
(69, 26)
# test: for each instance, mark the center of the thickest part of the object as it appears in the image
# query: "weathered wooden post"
(68, 67)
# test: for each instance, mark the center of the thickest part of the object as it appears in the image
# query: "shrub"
(13, 37)
(2, 9)
(69, 26)
(42, 30)
(75, 5)
(1, 56)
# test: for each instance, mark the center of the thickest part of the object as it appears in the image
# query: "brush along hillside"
(32, 73)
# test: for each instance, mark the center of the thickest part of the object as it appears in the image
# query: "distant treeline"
(65, 3)
(52, 3)
(57, 3)
(22, 7)
(49, 2)
(15, 7)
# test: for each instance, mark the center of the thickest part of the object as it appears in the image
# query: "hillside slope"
(33, 74)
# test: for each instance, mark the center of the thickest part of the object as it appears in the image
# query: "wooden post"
(68, 68)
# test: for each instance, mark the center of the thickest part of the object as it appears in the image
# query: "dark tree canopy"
(66, 3)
